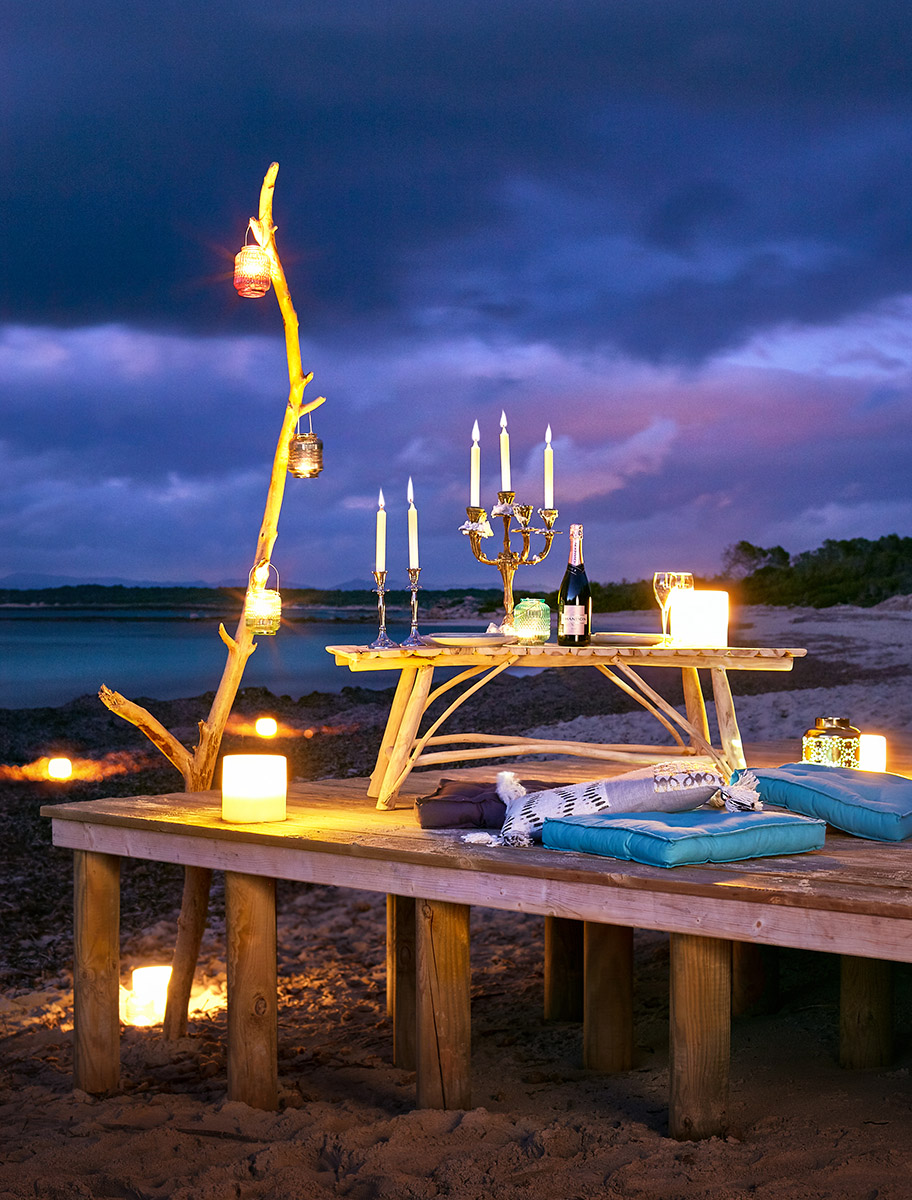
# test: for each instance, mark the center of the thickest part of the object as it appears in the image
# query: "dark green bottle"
(574, 600)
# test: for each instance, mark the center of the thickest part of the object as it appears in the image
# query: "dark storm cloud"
(723, 166)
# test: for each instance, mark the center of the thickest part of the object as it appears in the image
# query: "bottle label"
(572, 620)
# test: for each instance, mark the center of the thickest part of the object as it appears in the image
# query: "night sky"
(677, 231)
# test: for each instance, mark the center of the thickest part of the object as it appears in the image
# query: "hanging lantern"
(262, 606)
(305, 454)
(252, 270)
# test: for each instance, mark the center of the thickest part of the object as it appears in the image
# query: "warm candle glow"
(145, 1003)
(549, 470)
(699, 618)
(59, 768)
(872, 752)
(505, 485)
(412, 528)
(266, 727)
(380, 555)
(475, 469)
(254, 788)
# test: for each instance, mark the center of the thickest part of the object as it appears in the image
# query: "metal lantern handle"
(261, 586)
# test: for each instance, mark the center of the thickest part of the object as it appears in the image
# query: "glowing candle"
(266, 727)
(380, 557)
(254, 788)
(699, 618)
(475, 469)
(412, 527)
(504, 455)
(148, 996)
(549, 470)
(873, 752)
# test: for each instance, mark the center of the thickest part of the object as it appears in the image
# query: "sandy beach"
(801, 1128)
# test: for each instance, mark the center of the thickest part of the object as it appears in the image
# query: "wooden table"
(852, 898)
(402, 748)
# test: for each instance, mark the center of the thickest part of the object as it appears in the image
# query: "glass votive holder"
(254, 788)
(833, 742)
(532, 622)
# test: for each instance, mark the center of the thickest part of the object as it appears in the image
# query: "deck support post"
(96, 974)
(608, 1008)
(250, 928)
(563, 969)
(444, 1069)
(700, 1035)
(865, 1012)
(400, 977)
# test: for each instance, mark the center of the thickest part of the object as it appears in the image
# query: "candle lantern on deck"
(305, 454)
(252, 271)
(833, 742)
(532, 622)
(262, 605)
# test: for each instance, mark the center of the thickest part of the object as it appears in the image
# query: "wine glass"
(663, 584)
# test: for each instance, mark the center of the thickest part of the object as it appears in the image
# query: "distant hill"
(30, 580)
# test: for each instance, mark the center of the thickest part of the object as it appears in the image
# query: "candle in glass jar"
(412, 528)
(549, 470)
(504, 455)
(380, 556)
(475, 469)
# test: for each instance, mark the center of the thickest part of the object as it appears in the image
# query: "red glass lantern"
(252, 272)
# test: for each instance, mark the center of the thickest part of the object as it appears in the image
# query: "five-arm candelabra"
(509, 559)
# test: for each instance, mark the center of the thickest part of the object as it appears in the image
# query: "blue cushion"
(703, 835)
(870, 804)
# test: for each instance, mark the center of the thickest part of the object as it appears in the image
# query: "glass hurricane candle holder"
(532, 622)
(833, 742)
(262, 605)
(252, 272)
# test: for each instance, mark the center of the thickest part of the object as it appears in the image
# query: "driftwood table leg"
(444, 1062)
(191, 926)
(700, 1035)
(96, 974)
(694, 703)
(400, 977)
(391, 732)
(563, 969)
(608, 1013)
(865, 1012)
(250, 925)
(729, 734)
(405, 736)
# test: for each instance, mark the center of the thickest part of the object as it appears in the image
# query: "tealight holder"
(262, 605)
(833, 742)
(305, 454)
(532, 622)
(508, 560)
(414, 638)
(382, 641)
(252, 271)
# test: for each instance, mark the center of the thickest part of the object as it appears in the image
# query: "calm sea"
(48, 657)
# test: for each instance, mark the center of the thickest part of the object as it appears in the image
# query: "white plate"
(627, 639)
(468, 639)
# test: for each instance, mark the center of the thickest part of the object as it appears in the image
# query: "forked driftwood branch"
(198, 767)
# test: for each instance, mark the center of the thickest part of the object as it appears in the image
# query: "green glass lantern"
(532, 622)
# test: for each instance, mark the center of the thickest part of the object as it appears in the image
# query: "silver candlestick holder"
(383, 641)
(414, 638)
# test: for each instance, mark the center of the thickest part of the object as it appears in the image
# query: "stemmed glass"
(663, 584)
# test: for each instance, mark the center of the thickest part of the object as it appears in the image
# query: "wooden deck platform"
(852, 898)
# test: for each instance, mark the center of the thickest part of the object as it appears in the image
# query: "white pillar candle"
(549, 470)
(148, 996)
(505, 485)
(699, 618)
(872, 752)
(254, 788)
(412, 527)
(475, 469)
(380, 556)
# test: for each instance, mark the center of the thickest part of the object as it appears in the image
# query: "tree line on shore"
(851, 571)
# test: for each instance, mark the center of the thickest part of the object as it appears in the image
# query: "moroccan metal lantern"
(262, 605)
(305, 455)
(833, 742)
(252, 271)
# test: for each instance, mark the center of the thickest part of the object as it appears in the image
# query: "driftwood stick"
(198, 767)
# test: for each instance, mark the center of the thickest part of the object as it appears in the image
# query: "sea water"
(51, 656)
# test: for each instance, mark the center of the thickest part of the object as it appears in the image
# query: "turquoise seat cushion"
(703, 835)
(870, 804)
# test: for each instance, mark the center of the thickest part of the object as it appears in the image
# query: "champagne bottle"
(574, 600)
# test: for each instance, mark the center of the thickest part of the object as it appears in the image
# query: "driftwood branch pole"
(198, 767)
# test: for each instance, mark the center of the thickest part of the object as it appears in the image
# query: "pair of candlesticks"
(507, 562)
